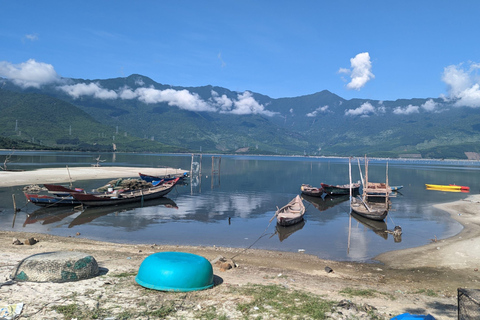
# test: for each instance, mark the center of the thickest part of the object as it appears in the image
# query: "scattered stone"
(31, 241)
(223, 263)
(328, 270)
(78, 233)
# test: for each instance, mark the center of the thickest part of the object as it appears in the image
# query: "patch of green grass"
(358, 292)
(364, 293)
(162, 312)
(428, 292)
(282, 303)
(73, 311)
(211, 314)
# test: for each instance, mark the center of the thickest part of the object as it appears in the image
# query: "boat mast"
(366, 180)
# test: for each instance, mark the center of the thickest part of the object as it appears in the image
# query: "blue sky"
(381, 50)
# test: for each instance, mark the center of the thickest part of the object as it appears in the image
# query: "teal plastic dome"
(175, 271)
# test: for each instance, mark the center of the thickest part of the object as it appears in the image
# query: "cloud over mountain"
(35, 74)
(29, 74)
(463, 84)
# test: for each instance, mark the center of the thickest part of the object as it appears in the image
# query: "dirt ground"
(420, 280)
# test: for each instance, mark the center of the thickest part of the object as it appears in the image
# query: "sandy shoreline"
(63, 175)
(403, 276)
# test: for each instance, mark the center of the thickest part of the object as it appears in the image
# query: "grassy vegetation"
(428, 292)
(367, 293)
(282, 303)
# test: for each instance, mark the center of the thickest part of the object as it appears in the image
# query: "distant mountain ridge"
(138, 113)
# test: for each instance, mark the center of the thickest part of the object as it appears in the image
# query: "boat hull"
(95, 200)
(450, 187)
(311, 191)
(378, 211)
(340, 190)
(50, 201)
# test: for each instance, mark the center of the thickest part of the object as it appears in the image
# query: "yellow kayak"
(447, 187)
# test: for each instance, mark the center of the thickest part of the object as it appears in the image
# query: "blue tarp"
(408, 316)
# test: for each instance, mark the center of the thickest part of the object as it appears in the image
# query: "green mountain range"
(137, 114)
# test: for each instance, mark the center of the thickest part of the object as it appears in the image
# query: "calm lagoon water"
(233, 208)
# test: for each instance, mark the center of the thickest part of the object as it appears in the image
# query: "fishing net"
(468, 304)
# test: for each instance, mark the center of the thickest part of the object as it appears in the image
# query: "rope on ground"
(261, 236)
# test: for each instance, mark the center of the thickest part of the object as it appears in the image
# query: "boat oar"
(366, 206)
(274, 215)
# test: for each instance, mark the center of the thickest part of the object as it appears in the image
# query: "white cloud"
(463, 84)
(406, 110)
(31, 37)
(139, 82)
(91, 89)
(29, 74)
(126, 93)
(360, 72)
(364, 110)
(223, 102)
(429, 105)
(183, 99)
(314, 113)
(219, 56)
(246, 104)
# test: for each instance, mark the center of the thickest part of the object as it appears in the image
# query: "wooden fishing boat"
(311, 191)
(370, 210)
(125, 196)
(374, 210)
(59, 189)
(377, 189)
(341, 189)
(167, 177)
(291, 213)
(57, 195)
(51, 200)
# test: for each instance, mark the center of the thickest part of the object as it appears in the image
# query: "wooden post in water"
(350, 218)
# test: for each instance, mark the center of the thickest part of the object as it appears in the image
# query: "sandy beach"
(421, 280)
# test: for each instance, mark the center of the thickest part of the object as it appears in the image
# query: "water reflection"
(49, 215)
(326, 202)
(378, 227)
(91, 213)
(285, 232)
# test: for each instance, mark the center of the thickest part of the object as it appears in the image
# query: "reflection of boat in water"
(379, 227)
(327, 202)
(49, 215)
(91, 213)
(284, 232)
